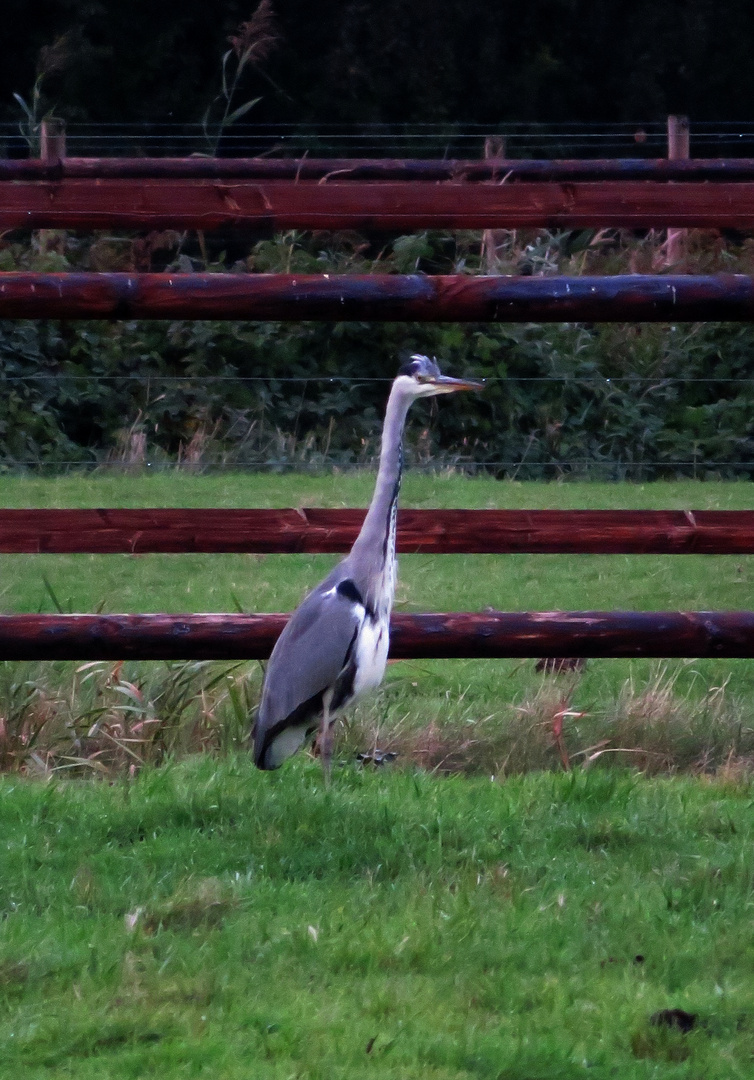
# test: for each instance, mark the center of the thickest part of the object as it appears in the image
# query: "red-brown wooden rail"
(275, 205)
(377, 297)
(312, 530)
(377, 169)
(489, 634)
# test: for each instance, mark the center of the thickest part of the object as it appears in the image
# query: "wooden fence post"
(492, 239)
(52, 152)
(52, 140)
(678, 150)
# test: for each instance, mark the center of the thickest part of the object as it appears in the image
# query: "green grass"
(206, 919)
(495, 714)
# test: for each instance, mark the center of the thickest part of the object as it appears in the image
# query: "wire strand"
(592, 380)
(334, 464)
(327, 137)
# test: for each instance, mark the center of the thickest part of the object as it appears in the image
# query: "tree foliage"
(623, 400)
(610, 401)
(363, 61)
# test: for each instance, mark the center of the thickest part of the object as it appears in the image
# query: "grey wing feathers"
(308, 657)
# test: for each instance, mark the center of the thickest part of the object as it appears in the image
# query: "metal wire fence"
(522, 140)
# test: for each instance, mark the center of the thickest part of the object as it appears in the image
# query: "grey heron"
(335, 645)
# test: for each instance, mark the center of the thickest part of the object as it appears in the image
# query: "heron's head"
(421, 377)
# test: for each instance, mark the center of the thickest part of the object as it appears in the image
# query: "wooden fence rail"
(489, 634)
(312, 530)
(376, 169)
(269, 196)
(275, 205)
(376, 297)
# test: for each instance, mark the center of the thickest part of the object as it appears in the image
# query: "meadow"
(489, 716)
(472, 910)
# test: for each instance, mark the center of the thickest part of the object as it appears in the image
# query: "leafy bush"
(631, 400)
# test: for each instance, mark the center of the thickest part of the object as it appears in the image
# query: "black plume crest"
(420, 365)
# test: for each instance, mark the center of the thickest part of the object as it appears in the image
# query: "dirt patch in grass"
(204, 903)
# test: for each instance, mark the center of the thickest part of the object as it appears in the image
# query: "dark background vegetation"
(313, 394)
(613, 401)
(627, 401)
(395, 60)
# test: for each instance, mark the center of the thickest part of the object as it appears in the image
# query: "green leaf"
(24, 106)
(239, 112)
(51, 593)
(226, 57)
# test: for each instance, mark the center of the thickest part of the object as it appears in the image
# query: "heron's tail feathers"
(271, 752)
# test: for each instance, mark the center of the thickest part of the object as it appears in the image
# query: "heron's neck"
(375, 544)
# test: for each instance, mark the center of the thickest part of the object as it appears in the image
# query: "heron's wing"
(308, 657)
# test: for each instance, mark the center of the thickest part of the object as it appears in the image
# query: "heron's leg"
(326, 736)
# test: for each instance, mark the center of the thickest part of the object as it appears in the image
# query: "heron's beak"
(445, 385)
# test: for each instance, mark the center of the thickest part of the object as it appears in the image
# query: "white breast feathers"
(371, 653)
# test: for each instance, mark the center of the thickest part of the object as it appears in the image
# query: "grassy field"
(209, 920)
(476, 918)
(490, 716)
